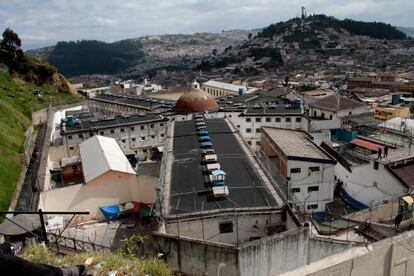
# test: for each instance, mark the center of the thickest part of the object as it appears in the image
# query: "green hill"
(28, 85)
(321, 22)
(17, 101)
(95, 57)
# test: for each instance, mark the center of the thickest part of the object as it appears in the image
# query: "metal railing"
(63, 244)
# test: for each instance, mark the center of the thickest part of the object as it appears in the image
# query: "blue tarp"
(205, 138)
(351, 201)
(206, 144)
(218, 172)
(110, 211)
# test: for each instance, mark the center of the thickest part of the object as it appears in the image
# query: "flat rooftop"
(141, 102)
(189, 190)
(295, 143)
(93, 123)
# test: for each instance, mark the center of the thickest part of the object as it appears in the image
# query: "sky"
(44, 22)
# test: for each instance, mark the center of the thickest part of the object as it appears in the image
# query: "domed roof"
(196, 101)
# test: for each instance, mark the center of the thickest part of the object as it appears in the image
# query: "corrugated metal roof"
(101, 154)
(367, 145)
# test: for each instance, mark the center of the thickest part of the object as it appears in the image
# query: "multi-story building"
(385, 113)
(134, 133)
(308, 170)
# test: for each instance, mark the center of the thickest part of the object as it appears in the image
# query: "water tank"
(396, 99)
(241, 91)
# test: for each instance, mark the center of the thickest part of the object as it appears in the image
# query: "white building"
(134, 133)
(217, 88)
(308, 170)
(108, 179)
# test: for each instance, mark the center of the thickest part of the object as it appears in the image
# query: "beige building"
(108, 179)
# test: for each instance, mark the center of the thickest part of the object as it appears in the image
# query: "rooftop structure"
(196, 101)
(188, 191)
(296, 144)
(101, 154)
(332, 103)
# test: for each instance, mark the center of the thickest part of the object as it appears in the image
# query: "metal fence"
(279, 182)
(63, 244)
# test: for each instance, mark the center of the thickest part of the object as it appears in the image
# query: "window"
(330, 117)
(257, 130)
(102, 133)
(312, 206)
(258, 119)
(376, 165)
(295, 170)
(162, 134)
(277, 120)
(142, 127)
(143, 138)
(314, 169)
(258, 143)
(133, 139)
(152, 125)
(122, 130)
(123, 140)
(144, 150)
(161, 124)
(323, 115)
(112, 131)
(238, 126)
(248, 120)
(295, 190)
(229, 115)
(248, 130)
(90, 134)
(287, 120)
(313, 189)
(268, 120)
(226, 227)
(152, 136)
(132, 128)
(81, 136)
(249, 143)
(298, 120)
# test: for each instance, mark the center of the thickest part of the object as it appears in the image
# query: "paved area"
(189, 188)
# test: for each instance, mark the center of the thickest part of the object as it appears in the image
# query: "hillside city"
(283, 150)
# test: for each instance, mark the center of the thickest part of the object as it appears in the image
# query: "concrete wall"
(197, 258)
(245, 226)
(367, 185)
(324, 179)
(280, 253)
(110, 188)
(268, 256)
(392, 256)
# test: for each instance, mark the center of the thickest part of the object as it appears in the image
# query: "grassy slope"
(109, 261)
(17, 101)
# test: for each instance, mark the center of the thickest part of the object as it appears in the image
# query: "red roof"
(367, 145)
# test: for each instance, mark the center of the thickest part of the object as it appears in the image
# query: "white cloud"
(42, 22)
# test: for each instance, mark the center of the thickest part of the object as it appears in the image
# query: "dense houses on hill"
(260, 181)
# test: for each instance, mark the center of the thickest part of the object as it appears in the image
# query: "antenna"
(303, 12)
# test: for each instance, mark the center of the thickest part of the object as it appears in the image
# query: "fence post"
(74, 244)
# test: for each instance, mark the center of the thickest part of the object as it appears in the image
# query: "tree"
(286, 82)
(214, 52)
(11, 44)
(250, 36)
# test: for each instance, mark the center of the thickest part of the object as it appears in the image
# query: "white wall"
(324, 179)
(366, 184)
(110, 188)
(250, 225)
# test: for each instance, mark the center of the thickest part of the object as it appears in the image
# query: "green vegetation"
(18, 98)
(17, 101)
(103, 262)
(273, 53)
(321, 22)
(95, 57)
